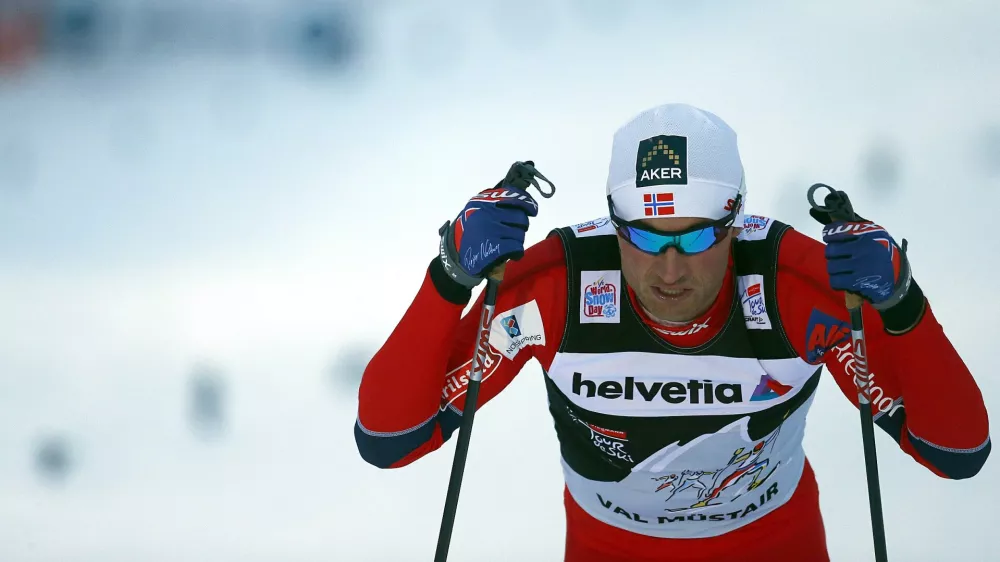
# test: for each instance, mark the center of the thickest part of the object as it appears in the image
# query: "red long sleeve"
(412, 392)
(923, 393)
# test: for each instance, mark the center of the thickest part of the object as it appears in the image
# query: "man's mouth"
(665, 294)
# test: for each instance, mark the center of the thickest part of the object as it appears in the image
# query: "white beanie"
(675, 160)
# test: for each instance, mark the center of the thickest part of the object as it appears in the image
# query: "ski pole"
(523, 172)
(839, 208)
(468, 414)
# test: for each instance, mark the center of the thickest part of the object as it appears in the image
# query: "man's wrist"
(449, 289)
(448, 256)
(907, 313)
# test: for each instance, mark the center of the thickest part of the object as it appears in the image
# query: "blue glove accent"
(862, 258)
(489, 231)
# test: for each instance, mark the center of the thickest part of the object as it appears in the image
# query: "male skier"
(672, 333)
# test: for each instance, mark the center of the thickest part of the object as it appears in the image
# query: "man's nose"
(671, 267)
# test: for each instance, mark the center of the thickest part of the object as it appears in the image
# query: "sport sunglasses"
(690, 241)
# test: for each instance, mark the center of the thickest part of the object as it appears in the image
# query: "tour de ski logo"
(661, 160)
(609, 441)
(752, 299)
(600, 296)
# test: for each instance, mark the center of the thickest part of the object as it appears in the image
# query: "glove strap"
(448, 254)
(903, 287)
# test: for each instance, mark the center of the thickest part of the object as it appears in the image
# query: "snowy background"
(212, 214)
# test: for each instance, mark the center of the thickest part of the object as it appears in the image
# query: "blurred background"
(213, 212)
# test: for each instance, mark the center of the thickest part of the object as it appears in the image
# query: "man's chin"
(677, 309)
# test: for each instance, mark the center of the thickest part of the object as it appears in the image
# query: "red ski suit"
(400, 415)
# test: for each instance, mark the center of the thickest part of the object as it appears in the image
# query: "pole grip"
(496, 274)
(852, 300)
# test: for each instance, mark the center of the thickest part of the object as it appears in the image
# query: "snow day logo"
(661, 160)
(600, 299)
(600, 296)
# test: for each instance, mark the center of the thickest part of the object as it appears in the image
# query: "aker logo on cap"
(661, 160)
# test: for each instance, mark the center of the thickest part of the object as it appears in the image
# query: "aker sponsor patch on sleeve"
(517, 328)
(823, 333)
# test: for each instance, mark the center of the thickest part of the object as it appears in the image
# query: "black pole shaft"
(468, 416)
(862, 379)
(837, 207)
(457, 472)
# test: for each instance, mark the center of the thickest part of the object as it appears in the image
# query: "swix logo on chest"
(600, 296)
(694, 328)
